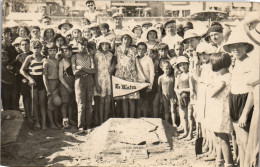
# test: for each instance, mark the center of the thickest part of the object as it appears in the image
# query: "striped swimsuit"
(36, 70)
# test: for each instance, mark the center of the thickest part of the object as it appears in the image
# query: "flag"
(121, 87)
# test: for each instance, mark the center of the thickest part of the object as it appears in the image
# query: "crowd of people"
(208, 82)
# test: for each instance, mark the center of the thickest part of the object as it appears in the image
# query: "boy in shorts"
(51, 82)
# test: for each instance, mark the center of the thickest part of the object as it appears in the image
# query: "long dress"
(126, 68)
(219, 118)
(104, 81)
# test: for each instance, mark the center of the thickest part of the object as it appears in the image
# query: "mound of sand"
(117, 133)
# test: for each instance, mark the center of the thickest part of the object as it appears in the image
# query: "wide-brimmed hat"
(158, 32)
(117, 14)
(238, 37)
(65, 21)
(136, 26)
(182, 59)
(86, 27)
(127, 32)
(204, 47)
(190, 34)
(103, 40)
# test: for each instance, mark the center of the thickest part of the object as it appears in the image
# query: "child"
(51, 82)
(239, 47)
(35, 33)
(35, 64)
(83, 69)
(22, 82)
(178, 51)
(76, 34)
(103, 59)
(166, 90)
(67, 80)
(104, 28)
(184, 91)
(218, 118)
(9, 87)
(86, 32)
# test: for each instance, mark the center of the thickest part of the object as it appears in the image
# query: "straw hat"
(182, 59)
(103, 40)
(238, 37)
(158, 32)
(93, 25)
(190, 34)
(64, 21)
(204, 47)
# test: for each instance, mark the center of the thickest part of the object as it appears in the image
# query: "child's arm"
(22, 71)
(73, 63)
(248, 106)
(45, 78)
(176, 86)
(62, 80)
(98, 88)
(160, 88)
(217, 88)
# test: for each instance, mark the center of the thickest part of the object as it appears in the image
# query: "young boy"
(22, 82)
(51, 82)
(166, 91)
(9, 87)
(146, 94)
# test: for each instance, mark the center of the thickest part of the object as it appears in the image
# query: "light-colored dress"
(126, 68)
(219, 118)
(104, 80)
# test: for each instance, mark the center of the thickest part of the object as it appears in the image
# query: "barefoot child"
(35, 64)
(51, 82)
(103, 59)
(184, 91)
(166, 90)
(218, 115)
(67, 80)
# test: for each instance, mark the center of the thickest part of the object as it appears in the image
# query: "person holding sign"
(126, 69)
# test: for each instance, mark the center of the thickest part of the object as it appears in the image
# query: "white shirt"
(92, 17)
(240, 76)
(172, 40)
(148, 69)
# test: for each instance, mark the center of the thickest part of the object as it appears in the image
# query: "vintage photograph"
(130, 83)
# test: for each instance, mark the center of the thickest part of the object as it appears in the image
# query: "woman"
(127, 67)
(153, 38)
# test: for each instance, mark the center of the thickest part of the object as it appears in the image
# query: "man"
(118, 29)
(91, 14)
(7, 44)
(216, 36)
(171, 38)
(64, 27)
(46, 20)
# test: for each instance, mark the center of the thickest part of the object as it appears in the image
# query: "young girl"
(86, 32)
(48, 34)
(166, 90)
(59, 41)
(184, 91)
(239, 47)
(76, 34)
(218, 115)
(35, 64)
(109, 35)
(51, 82)
(103, 59)
(67, 79)
(83, 68)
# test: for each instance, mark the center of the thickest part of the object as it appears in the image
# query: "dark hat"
(36, 27)
(188, 25)
(6, 30)
(45, 17)
(36, 43)
(66, 47)
(216, 28)
(104, 25)
(90, 1)
(168, 22)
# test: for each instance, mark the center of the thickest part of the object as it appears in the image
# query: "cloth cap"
(188, 25)
(17, 41)
(168, 22)
(117, 14)
(216, 28)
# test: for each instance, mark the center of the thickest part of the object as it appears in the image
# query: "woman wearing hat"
(64, 26)
(137, 30)
(239, 47)
(75, 35)
(152, 37)
(127, 67)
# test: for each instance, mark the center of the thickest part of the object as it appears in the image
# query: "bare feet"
(53, 127)
(37, 126)
(182, 136)
(44, 127)
(188, 138)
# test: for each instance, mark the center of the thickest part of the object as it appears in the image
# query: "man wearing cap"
(7, 45)
(216, 36)
(16, 44)
(46, 20)
(64, 26)
(91, 14)
(118, 29)
(171, 37)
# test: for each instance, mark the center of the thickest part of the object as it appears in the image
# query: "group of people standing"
(204, 81)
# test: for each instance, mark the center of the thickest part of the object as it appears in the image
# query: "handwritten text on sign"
(134, 152)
